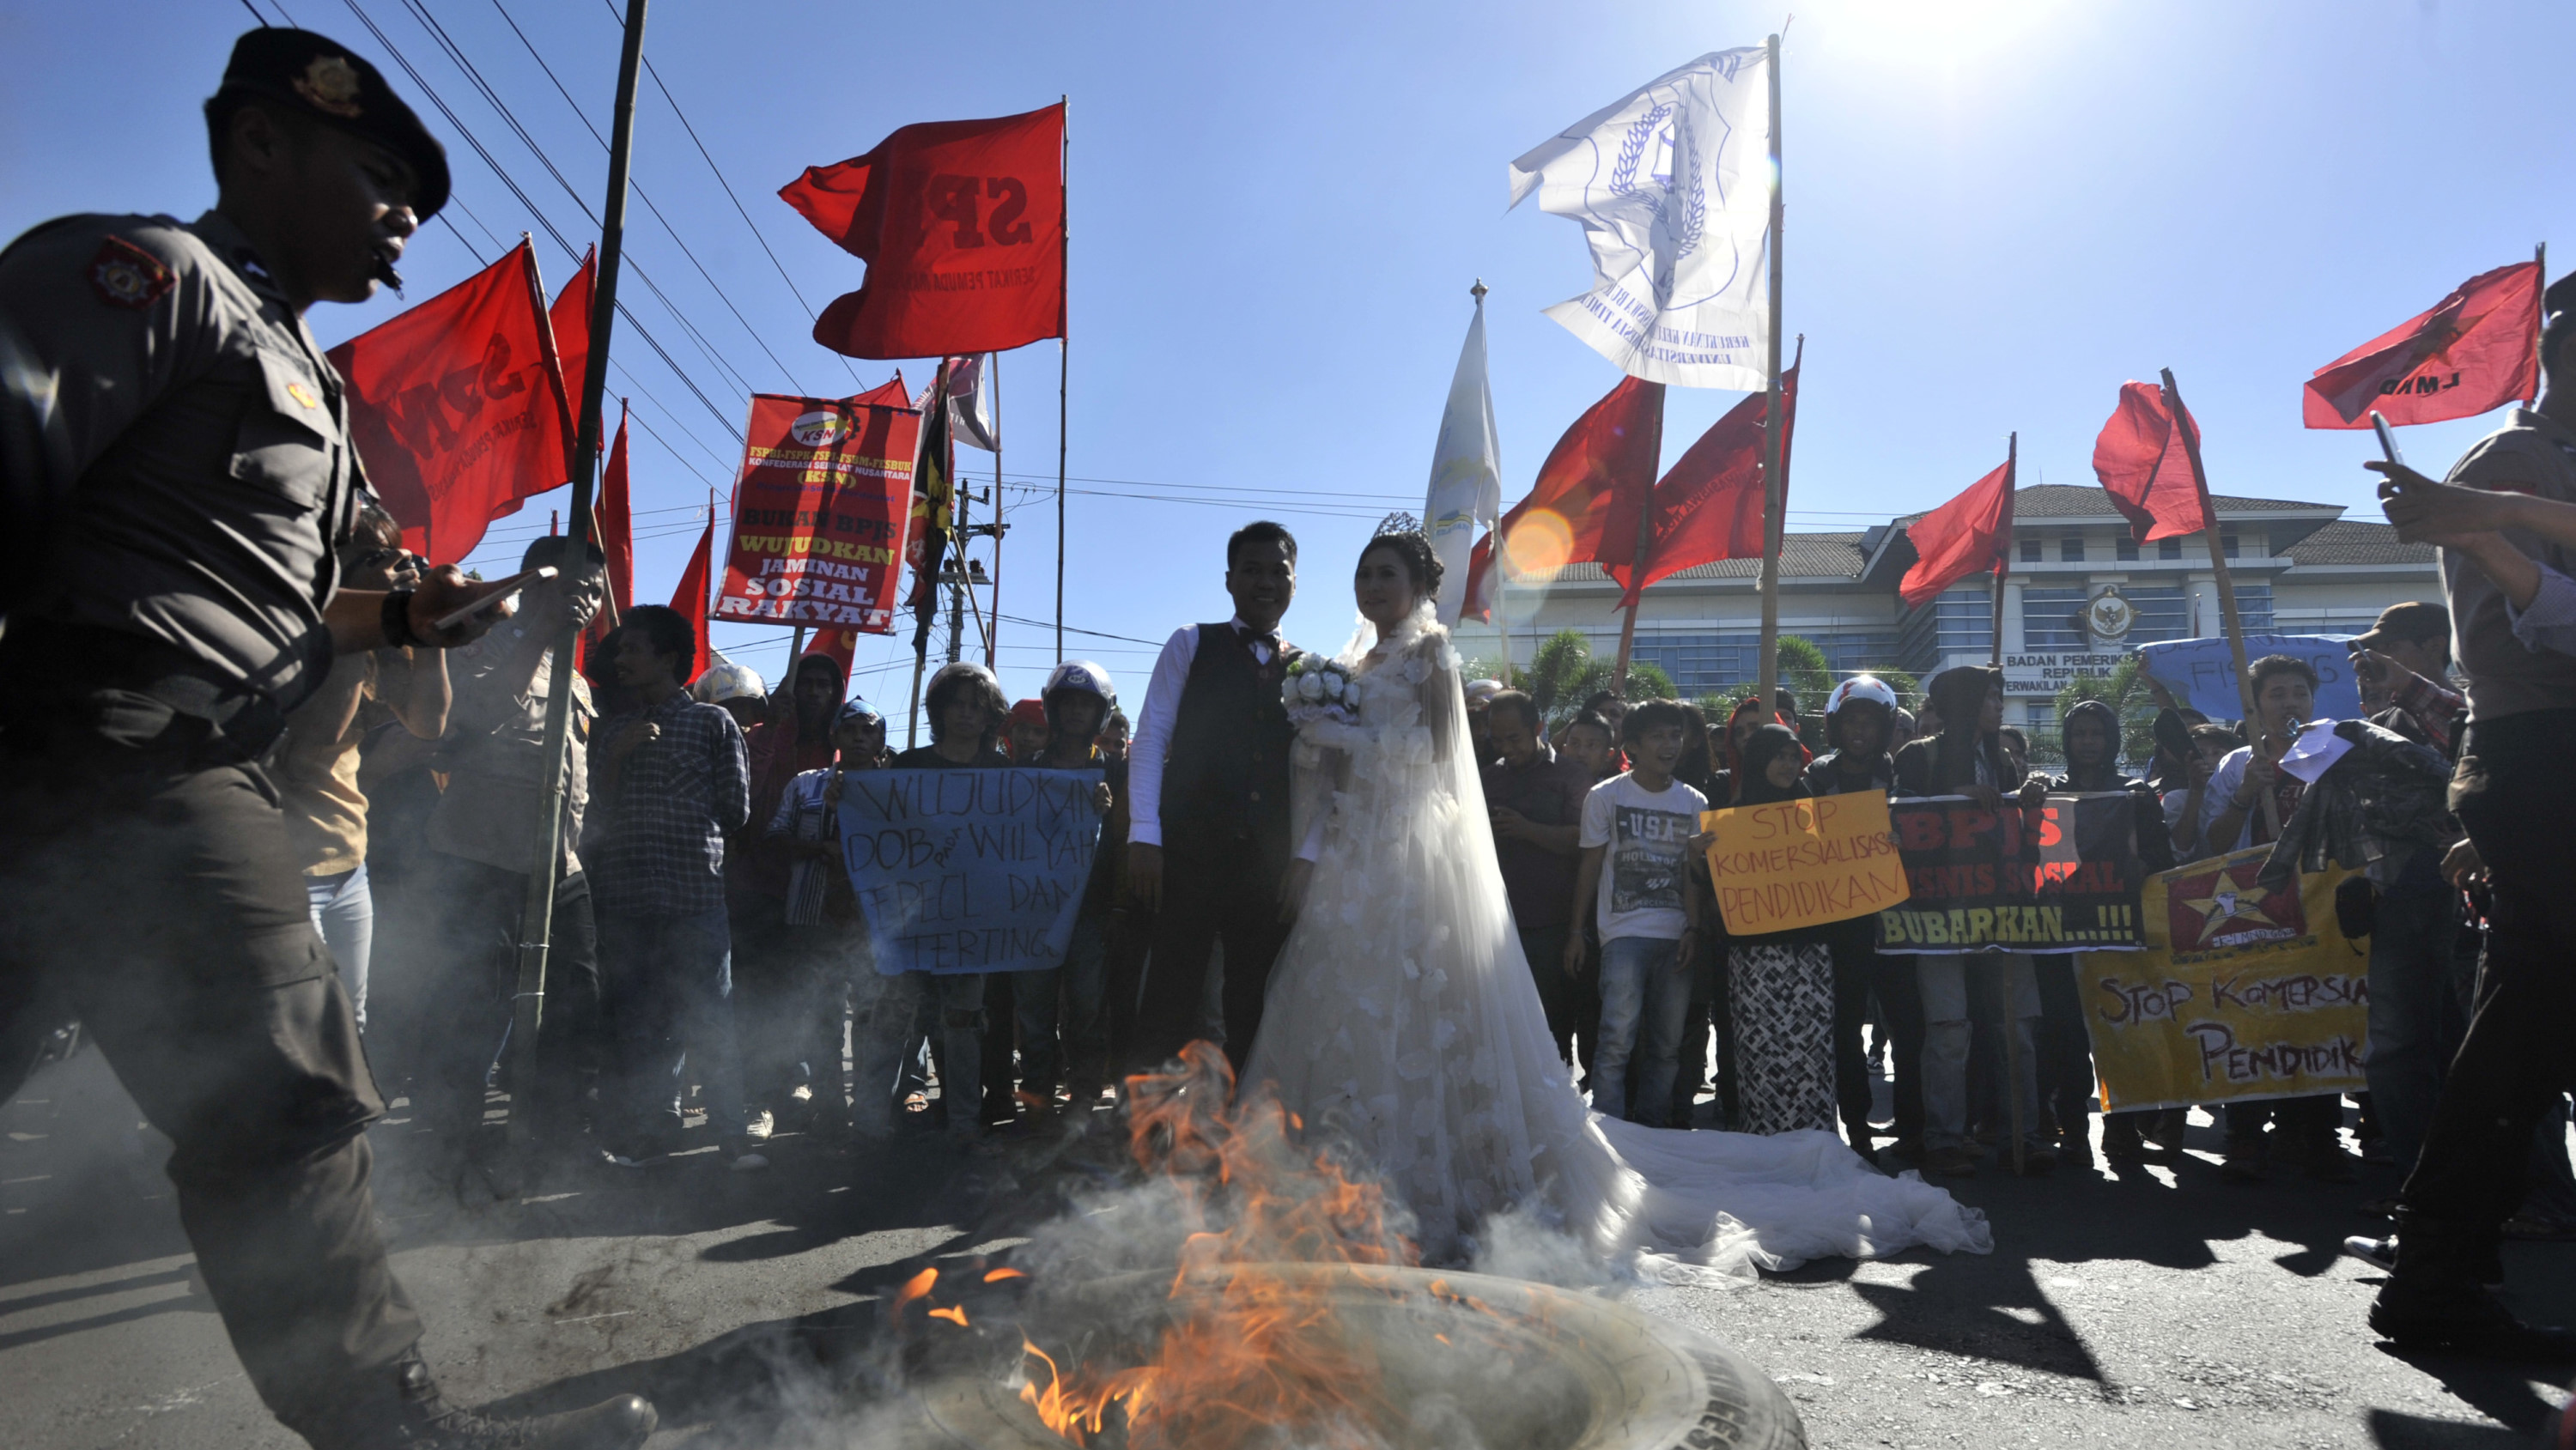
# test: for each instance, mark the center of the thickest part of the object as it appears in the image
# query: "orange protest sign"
(1803, 862)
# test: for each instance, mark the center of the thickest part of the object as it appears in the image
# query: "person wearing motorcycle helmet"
(1859, 715)
(966, 709)
(737, 688)
(1078, 698)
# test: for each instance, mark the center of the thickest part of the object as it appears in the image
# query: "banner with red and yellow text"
(2243, 991)
(819, 513)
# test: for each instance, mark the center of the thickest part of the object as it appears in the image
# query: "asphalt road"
(2156, 1308)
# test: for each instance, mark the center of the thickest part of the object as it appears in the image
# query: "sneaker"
(2463, 1319)
(1903, 1153)
(421, 1419)
(2121, 1141)
(2244, 1162)
(2378, 1253)
(2037, 1161)
(1950, 1163)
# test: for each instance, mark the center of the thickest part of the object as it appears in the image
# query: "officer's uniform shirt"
(192, 465)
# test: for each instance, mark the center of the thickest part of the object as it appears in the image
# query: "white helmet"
(1085, 676)
(1861, 687)
(724, 680)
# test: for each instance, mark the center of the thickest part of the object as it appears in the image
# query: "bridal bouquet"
(1319, 689)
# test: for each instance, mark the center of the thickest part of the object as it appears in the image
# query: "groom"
(1208, 787)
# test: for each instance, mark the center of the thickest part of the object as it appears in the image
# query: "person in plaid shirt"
(672, 781)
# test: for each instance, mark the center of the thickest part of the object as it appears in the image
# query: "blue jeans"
(344, 912)
(667, 984)
(1645, 994)
(2416, 1016)
(1067, 1046)
(885, 1013)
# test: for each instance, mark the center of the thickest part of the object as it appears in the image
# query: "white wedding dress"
(1401, 1012)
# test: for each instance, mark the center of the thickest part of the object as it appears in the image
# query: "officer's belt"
(78, 658)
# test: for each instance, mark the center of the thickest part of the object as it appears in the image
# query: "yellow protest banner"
(1803, 862)
(2242, 992)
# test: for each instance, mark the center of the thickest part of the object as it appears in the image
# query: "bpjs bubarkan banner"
(819, 513)
(2062, 876)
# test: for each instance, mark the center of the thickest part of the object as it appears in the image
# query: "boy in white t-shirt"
(1638, 826)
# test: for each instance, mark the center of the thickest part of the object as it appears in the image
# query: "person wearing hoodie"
(1859, 715)
(1780, 983)
(779, 970)
(2089, 733)
(1966, 759)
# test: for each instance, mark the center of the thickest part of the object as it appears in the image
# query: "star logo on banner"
(2434, 343)
(2228, 901)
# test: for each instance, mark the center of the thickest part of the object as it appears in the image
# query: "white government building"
(2299, 568)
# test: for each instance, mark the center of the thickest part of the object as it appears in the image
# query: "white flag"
(1672, 187)
(970, 403)
(1466, 470)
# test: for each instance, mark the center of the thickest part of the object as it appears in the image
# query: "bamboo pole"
(993, 640)
(1064, 361)
(536, 920)
(2540, 259)
(2228, 618)
(2004, 544)
(1774, 494)
(1645, 549)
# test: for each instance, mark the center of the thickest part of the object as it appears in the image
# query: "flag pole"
(2539, 259)
(1502, 576)
(1774, 495)
(536, 918)
(2234, 625)
(1064, 357)
(1645, 549)
(993, 639)
(2003, 543)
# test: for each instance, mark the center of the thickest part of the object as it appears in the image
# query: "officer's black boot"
(2433, 1300)
(406, 1412)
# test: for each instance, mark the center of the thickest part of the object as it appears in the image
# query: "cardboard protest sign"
(969, 870)
(1803, 862)
(2062, 876)
(2201, 673)
(2241, 993)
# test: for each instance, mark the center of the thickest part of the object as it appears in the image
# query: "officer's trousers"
(150, 892)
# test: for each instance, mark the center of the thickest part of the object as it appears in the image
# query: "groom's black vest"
(1225, 776)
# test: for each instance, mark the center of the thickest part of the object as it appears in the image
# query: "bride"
(1402, 1010)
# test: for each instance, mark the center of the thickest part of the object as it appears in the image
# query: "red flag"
(840, 646)
(888, 394)
(2140, 459)
(819, 512)
(2479, 348)
(570, 317)
(1610, 451)
(1709, 506)
(961, 224)
(616, 528)
(455, 409)
(691, 597)
(1970, 534)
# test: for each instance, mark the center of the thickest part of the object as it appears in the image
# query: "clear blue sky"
(1997, 212)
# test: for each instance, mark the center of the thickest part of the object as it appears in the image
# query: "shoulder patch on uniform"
(125, 275)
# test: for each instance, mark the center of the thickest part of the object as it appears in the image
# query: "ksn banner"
(2063, 876)
(819, 513)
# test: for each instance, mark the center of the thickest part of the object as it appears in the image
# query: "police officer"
(177, 469)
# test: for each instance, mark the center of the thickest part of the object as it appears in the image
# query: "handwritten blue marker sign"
(969, 870)
(2202, 672)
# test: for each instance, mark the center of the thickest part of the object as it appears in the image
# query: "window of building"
(2163, 613)
(1964, 620)
(2227, 542)
(2253, 609)
(2168, 548)
(2125, 548)
(1702, 664)
(2053, 618)
(2070, 549)
(2030, 551)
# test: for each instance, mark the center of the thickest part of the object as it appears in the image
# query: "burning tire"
(1517, 1366)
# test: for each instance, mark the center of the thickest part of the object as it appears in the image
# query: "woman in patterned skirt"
(1782, 983)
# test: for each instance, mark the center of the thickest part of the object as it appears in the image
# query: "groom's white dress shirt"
(1154, 729)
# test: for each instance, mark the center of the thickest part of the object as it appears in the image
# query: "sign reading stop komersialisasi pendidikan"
(969, 870)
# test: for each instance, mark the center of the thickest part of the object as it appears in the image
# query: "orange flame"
(998, 1275)
(913, 1288)
(956, 1316)
(1248, 1354)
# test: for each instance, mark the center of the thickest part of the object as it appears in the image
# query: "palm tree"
(2126, 691)
(1565, 673)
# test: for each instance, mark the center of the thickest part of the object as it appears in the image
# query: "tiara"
(1398, 522)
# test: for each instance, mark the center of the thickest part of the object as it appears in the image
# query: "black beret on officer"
(318, 77)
